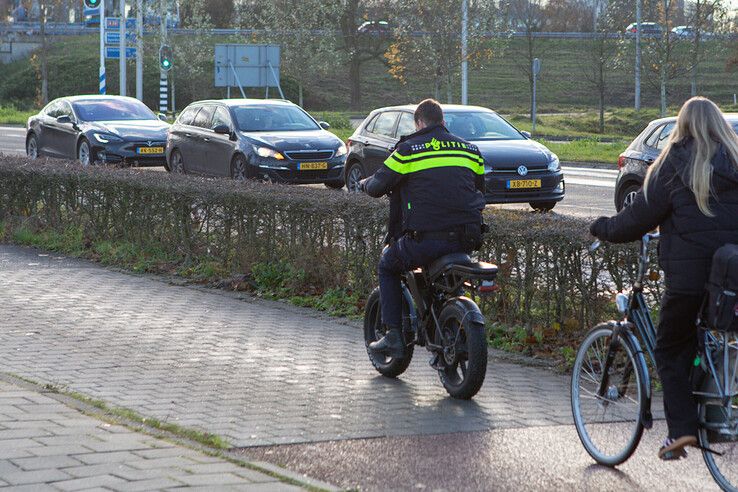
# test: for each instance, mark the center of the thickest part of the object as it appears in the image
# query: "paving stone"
(39, 463)
(89, 482)
(33, 477)
(152, 484)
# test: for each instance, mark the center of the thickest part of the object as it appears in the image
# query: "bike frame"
(639, 328)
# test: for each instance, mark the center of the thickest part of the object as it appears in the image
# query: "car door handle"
(188, 135)
(206, 139)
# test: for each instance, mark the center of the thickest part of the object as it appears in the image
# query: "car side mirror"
(526, 134)
(162, 116)
(324, 125)
(222, 130)
(63, 119)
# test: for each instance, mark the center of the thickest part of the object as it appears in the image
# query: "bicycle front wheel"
(608, 422)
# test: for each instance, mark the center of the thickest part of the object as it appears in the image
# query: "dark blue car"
(98, 129)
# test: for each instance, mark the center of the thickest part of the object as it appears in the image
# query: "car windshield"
(481, 126)
(273, 119)
(112, 110)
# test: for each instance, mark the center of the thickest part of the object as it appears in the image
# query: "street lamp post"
(464, 42)
(638, 57)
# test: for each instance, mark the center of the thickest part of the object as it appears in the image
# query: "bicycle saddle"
(463, 264)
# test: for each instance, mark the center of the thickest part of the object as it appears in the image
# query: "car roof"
(247, 102)
(447, 108)
(732, 117)
(98, 97)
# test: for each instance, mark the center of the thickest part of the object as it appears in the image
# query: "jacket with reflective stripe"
(436, 180)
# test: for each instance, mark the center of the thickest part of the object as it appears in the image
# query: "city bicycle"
(611, 385)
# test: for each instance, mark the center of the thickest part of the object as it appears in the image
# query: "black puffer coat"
(688, 238)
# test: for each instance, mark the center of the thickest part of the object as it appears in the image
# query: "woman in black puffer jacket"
(691, 194)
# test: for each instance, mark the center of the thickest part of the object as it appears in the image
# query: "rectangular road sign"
(113, 37)
(255, 65)
(114, 23)
(114, 52)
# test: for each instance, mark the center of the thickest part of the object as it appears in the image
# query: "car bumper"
(128, 153)
(552, 188)
(290, 172)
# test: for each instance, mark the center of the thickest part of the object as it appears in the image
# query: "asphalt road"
(589, 191)
(523, 459)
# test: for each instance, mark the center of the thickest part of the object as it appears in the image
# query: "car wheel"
(239, 168)
(542, 206)
(176, 163)
(84, 154)
(334, 185)
(627, 196)
(354, 174)
(32, 146)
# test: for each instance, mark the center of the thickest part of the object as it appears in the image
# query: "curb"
(283, 474)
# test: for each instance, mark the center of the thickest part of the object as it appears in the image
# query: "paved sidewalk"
(254, 372)
(46, 445)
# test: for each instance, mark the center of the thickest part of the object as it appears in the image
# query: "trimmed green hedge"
(303, 240)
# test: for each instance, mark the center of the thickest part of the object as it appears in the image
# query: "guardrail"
(55, 29)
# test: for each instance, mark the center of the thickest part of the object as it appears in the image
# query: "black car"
(104, 129)
(517, 169)
(255, 138)
(642, 151)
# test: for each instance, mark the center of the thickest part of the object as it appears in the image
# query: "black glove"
(598, 228)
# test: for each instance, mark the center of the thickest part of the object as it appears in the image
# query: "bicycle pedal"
(709, 450)
(436, 362)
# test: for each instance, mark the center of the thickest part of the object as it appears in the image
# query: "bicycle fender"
(473, 314)
(626, 330)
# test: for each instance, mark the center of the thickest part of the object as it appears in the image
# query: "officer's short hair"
(429, 111)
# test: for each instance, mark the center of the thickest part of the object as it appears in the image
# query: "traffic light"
(92, 4)
(166, 60)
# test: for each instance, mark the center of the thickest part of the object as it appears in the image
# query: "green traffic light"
(166, 63)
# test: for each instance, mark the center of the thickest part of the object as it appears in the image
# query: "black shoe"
(390, 345)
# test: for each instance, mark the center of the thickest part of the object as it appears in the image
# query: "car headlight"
(553, 163)
(106, 138)
(341, 150)
(267, 152)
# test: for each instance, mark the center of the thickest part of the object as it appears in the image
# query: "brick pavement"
(46, 445)
(254, 372)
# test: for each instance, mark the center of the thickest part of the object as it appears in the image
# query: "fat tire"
(599, 331)
(390, 367)
(476, 347)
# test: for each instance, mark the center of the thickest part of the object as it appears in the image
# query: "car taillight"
(621, 161)
(633, 30)
(349, 142)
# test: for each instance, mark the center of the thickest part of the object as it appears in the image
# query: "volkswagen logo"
(150, 143)
(522, 170)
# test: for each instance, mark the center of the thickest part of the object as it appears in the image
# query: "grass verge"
(10, 115)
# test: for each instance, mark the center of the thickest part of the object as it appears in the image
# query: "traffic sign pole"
(123, 58)
(102, 81)
(139, 50)
(536, 69)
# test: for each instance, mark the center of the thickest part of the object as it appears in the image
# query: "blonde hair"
(702, 120)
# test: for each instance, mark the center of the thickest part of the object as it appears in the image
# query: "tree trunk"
(449, 87)
(355, 82)
(299, 95)
(663, 89)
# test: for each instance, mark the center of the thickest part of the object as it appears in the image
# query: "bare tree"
(705, 17)
(527, 16)
(303, 29)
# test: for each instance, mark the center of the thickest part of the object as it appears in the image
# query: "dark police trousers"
(406, 254)
(676, 347)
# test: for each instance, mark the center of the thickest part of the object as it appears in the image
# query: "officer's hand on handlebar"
(362, 185)
(598, 228)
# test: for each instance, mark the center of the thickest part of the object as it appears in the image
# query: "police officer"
(436, 185)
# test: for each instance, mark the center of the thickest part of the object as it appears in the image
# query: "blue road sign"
(114, 23)
(113, 37)
(114, 52)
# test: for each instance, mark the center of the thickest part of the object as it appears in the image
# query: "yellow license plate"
(151, 150)
(516, 184)
(312, 166)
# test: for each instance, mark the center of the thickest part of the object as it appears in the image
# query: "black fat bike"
(436, 316)
(611, 385)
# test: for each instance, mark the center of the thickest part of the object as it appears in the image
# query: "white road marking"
(586, 176)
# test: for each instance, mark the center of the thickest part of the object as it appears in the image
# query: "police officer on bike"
(436, 185)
